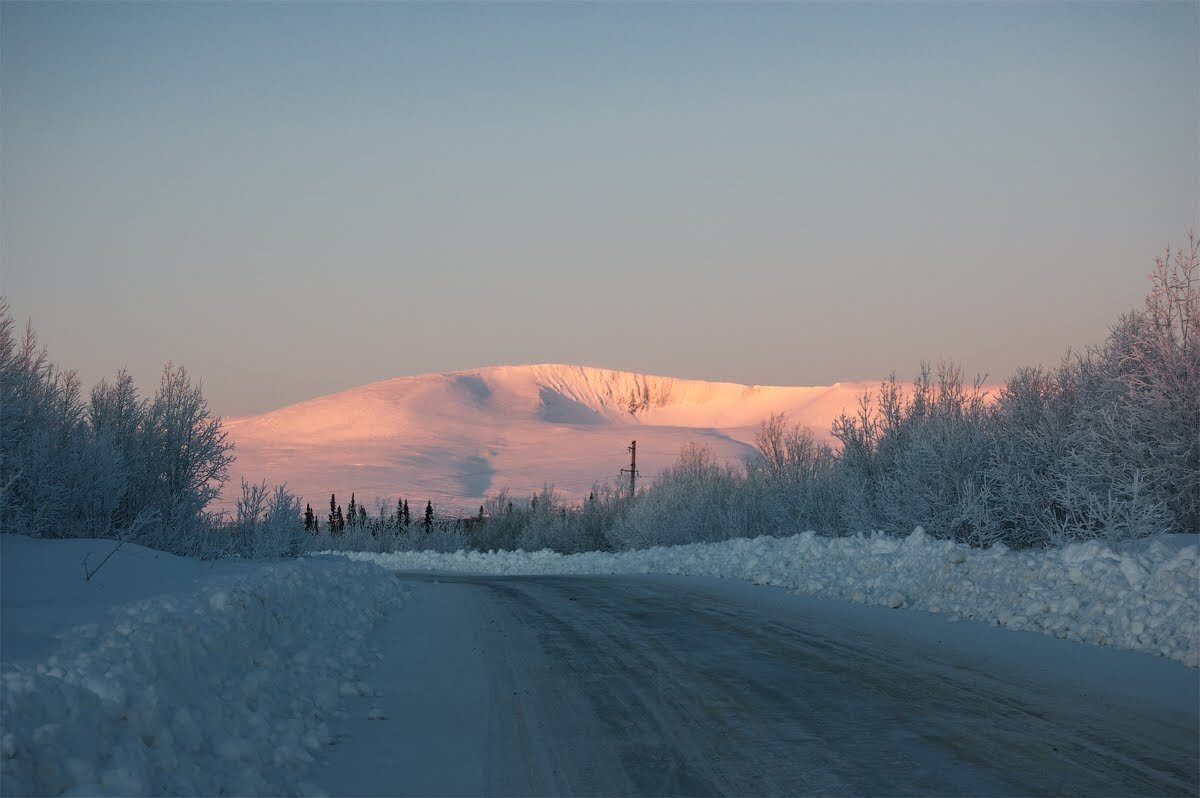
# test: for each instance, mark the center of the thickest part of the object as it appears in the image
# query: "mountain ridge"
(454, 437)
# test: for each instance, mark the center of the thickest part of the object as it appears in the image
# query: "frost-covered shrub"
(591, 524)
(503, 524)
(443, 535)
(187, 455)
(1151, 362)
(546, 522)
(267, 522)
(793, 479)
(549, 523)
(915, 458)
(1107, 445)
(697, 499)
(52, 472)
(1032, 420)
(116, 466)
(1103, 481)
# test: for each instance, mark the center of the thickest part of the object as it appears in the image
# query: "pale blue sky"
(294, 199)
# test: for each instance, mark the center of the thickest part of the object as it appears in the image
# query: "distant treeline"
(1104, 445)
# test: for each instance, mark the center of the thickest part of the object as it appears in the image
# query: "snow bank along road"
(548, 674)
(1143, 596)
(168, 676)
(682, 685)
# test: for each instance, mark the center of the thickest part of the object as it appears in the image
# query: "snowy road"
(628, 685)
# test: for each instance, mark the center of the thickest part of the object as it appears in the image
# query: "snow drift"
(1143, 596)
(184, 677)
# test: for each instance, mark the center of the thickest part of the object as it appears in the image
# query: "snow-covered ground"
(1144, 596)
(163, 675)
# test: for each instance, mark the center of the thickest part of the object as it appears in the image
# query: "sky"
(293, 199)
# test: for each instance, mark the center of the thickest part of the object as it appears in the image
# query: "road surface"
(661, 686)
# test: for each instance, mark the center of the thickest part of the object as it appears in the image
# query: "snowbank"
(1144, 597)
(164, 675)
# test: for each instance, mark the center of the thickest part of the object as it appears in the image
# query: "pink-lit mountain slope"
(454, 438)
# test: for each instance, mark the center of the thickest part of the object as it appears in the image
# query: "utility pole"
(632, 470)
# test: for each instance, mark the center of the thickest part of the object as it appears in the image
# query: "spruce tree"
(399, 513)
(333, 514)
(428, 515)
(353, 514)
(308, 518)
(341, 520)
(407, 515)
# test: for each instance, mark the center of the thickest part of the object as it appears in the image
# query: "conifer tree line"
(357, 517)
(1104, 445)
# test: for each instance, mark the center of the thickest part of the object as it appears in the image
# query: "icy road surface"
(693, 686)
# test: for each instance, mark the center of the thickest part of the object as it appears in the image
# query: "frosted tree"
(1156, 353)
(503, 527)
(1031, 423)
(545, 526)
(792, 477)
(267, 522)
(187, 453)
(697, 499)
(113, 466)
(915, 457)
(118, 417)
(58, 476)
(40, 416)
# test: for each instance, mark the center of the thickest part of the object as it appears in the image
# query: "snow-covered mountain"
(457, 437)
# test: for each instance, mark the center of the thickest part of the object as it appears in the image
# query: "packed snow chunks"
(1143, 596)
(220, 690)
